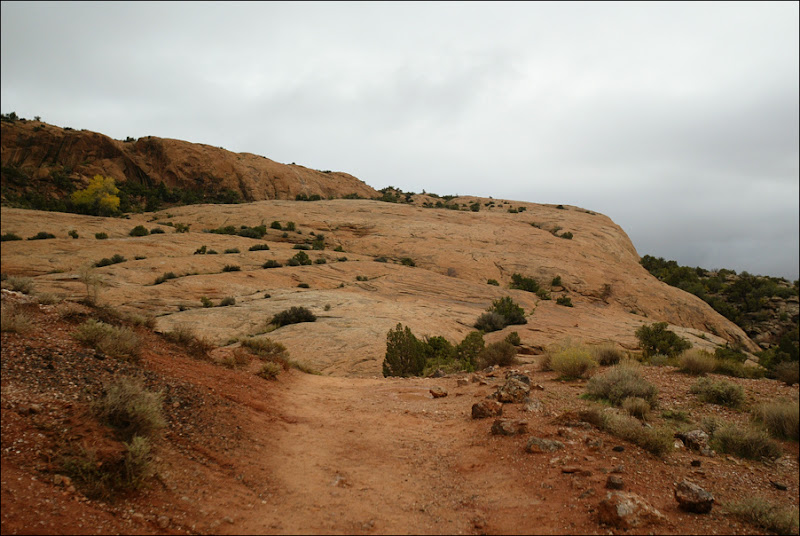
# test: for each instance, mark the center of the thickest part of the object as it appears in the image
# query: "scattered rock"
(515, 389)
(438, 392)
(614, 482)
(779, 485)
(619, 469)
(61, 480)
(486, 408)
(509, 427)
(461, 382)
(693, 498)
(575, 470)
(588, 493)
(625, 510)
(594, 443)
(533, 405)
(696, 440)
(163, 522)
(695, 463)
(538, 444)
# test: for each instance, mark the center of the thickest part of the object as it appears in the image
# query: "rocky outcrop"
(693, 498)
(624, 510)
(40, 151)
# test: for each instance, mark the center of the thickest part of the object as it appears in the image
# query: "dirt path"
(311, 454)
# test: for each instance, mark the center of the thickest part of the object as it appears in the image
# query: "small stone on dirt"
(625, 510)
(614, 482)
(693, 498)
(438, 392)
(538, 444)
(509, 427)
(486, 408)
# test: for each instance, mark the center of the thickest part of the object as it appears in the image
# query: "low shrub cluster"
(293, 315)
(186, 337)
(621, 382)
(765, 514)
(607, 354)
(781, 418)
(115, 259)
(115, 341)
(15, 320)
(42, 235)
(721, 392)
(406, 355)
(697, 362)
(502, 313)
(256, 232)
(139, 230)
(130, 409)
(657, 440)
(167, 276)
(749, 442)
(572, 362)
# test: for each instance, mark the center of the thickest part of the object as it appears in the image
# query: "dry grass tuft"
(781, 418)
(697, 362)
(766, 515)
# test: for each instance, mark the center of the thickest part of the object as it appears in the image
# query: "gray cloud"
(679, 121)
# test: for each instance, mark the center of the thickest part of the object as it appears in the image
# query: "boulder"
(696, 440)
(486, 408)
(693, 498)
(626, 510)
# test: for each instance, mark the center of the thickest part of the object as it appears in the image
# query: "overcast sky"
(677, 120)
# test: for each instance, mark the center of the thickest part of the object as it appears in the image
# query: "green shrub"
(320, 261)
(781, 418)
(271, 264)
(301, 258)
(607, 354)
(556, 282)
(527, 284)
(139, 230)
(42, 235)
(290, 226)
(657, 339)
(100, 236)
(405, 354)
(721, 392)
(572, 363)
(620, 382)
(167, 276)
(231, 250)
(115, 259)
(130, 409)
(407, 261)
(293, 315)
(567, 235)
(120, 342)
(469, 349)
(745, 441)
(696, 362)
(362, 278)
(9, 236)
(303, 285)
(492, 282)
(259, 247)
(156, 230)
(513, 338)
(275, 225)
(566, 301)
(227, 300)
(201, 250)
(513, 313)
(231, 268)
(206, 302)
(490, 321)
(304, 247)
(766, 515)
(381, 259)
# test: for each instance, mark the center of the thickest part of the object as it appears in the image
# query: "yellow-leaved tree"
(100, 197)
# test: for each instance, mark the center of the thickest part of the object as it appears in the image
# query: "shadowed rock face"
(39, 149)
(454, 252)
